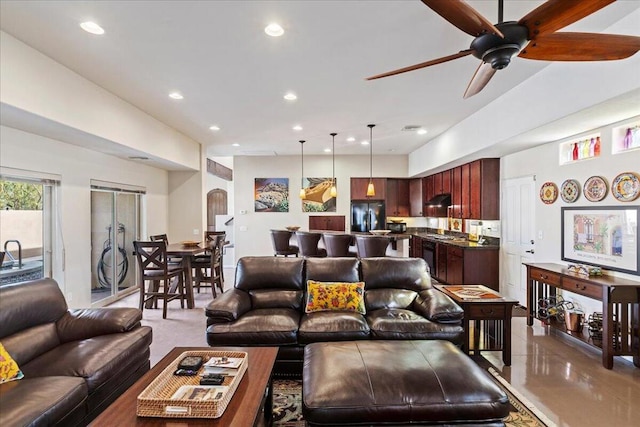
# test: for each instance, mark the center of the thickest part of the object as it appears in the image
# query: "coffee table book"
(162, 398)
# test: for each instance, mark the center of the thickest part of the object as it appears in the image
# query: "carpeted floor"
(287, 405)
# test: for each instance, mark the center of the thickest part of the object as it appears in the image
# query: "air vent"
(411, 128)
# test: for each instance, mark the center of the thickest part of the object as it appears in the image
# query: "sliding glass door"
(115, 224)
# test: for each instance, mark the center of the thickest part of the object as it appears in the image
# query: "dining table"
(187, 253)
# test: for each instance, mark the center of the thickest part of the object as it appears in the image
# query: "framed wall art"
(271, 195)
(604, 236)
(319, 199)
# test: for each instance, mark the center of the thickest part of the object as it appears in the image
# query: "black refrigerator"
(367, 216)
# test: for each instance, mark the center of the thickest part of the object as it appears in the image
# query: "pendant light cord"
(333, 158)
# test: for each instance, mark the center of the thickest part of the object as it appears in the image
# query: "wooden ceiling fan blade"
(581, 47)
(556, 14)
(480, 78)
(463, 16)
(424, 64)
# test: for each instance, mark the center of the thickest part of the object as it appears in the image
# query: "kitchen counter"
(459, 242)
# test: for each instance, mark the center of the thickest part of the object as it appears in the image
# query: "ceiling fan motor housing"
(498, 51)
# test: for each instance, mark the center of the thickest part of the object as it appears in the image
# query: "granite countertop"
(460, 242)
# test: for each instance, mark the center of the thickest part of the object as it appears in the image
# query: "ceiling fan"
(532, 37)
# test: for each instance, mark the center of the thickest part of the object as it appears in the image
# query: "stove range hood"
(441, 200)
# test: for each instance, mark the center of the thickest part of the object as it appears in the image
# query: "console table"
(620, 306)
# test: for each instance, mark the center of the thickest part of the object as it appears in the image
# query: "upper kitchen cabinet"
(484, 192)
(416, 200)
(397, 200)
(359, 189)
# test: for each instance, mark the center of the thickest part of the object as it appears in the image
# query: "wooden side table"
(490, 313)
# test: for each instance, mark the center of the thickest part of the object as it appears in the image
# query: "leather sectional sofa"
(267, 305)
(75, 362)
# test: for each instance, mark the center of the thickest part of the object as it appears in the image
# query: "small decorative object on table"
(380, 232)
(175, 396)
(293, 228)
(585, 270)
(190, 243)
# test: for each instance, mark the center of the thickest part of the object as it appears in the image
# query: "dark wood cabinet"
(327, 222)
(359, 189)
(415, 247)
(397, 200)
(416, 201)
(465, 192)
(467, 266)
(484, 195)
(456, 193)
(427, 194)
(446, 182)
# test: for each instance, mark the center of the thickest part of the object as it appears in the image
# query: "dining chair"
(209, 270)
(219, 239)
(281, 240)
(155, 268)
(372, 246)
(308, 243)
(338, 245)
(165, 239)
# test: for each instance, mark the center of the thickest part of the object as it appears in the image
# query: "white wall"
(543, 162)
(77, 167)
(252, 229)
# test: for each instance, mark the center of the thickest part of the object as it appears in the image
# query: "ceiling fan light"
(499, 57)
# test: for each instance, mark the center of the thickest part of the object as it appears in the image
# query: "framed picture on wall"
(318, 195)
(271, 195)
(605, 236)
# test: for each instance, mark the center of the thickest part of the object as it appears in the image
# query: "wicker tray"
(155, 400)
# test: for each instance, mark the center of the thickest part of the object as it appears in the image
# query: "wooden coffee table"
(491, 316)
(250, 406)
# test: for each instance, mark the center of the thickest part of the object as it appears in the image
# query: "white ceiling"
(233, 75)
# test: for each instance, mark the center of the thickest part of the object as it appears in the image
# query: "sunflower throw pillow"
(327, 296)
(9, 369)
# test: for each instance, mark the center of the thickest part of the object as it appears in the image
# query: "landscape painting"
(271, 195)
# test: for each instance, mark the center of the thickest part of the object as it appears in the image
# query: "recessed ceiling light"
(290, 96)
(274, 30)
(422, 131)
(235, 144)
(297, 127)
(176, 95)
(351, 139)
(214, 127)
(92, 27)
(327, 150)
(365, 143)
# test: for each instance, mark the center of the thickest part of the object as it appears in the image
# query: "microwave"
(397, 227)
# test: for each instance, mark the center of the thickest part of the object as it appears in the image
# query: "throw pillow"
(327, 296)
(9, 369)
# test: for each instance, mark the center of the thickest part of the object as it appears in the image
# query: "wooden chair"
(372, 246)
(209, 270)
(155, 268)
(338, 245)
(218, 238)
(163, 238)
(281, 243)
(308, 243)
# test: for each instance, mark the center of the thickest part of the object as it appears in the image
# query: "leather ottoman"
(396, 383)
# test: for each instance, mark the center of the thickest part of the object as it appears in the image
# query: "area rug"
(287, 405)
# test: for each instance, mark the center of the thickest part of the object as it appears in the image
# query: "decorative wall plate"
(595, 188)
(626, 187)
(570, 190)
(548, 193)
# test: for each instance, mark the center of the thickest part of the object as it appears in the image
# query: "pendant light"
(334, 191)
(303, 192)
(371, 191)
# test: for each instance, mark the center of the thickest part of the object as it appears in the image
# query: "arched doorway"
(216, 205)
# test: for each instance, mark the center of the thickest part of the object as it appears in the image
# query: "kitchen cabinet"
(427, 194)
(327, 222)
(456, 194)
(484, 195)
(415, 247)
(466, 189)
(359, 188)
(457, 265)
(416, 201)
(397, 200)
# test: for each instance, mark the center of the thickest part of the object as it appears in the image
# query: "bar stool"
(308, 243)
(154, 267)
(281, 243)
(338, 245)
(372, 246)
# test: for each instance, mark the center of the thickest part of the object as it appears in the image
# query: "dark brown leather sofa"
(266, 306)
(75, 362)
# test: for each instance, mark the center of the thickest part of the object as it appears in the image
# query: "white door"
(518, 235)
